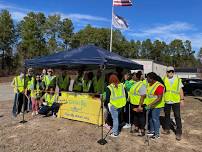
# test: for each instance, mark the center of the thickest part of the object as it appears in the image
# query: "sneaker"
(166, 132)
(178, 137)
(150, 133)
(54, 116)
(37, 113)
(33, 113)
(154, 137)
(127, 126)
(113, 135)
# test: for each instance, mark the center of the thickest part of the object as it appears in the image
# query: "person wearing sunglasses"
(50, 79)
(174, 99)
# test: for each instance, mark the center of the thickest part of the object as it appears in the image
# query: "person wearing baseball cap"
(174, 98)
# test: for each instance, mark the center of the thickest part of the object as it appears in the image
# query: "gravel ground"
(43, 134)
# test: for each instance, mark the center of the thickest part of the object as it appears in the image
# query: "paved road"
(6, 92)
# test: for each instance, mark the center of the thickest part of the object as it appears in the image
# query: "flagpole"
(111, 28)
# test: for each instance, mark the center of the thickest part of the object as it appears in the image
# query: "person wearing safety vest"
(154, 103)
(88, 83)
(137, 94)
(63, 81)
(29, 81)
(36, 93)
(78, 83)
(174, 98)
(50, 105)
(18, 85)
(128, 83)
(115, 99)
(98, 83)
(50, 79)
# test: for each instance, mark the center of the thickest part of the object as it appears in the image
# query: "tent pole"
(111, 36)
(23, 105)
(102, 141)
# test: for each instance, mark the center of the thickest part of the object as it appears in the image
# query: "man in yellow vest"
(137, 94)
(63, 81)
(50, 79)
(115, 99)
(18, 85)
(174, 98)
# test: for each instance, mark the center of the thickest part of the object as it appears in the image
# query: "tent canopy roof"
(86, 56)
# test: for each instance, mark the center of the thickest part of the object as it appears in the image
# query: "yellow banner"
(81, 107)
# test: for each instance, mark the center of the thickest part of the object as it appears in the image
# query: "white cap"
(170, 68)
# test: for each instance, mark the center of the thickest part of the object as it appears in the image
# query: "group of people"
(128, 101)
(127, 98)
(39, 90)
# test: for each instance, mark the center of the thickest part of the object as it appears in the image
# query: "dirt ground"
(42, 134)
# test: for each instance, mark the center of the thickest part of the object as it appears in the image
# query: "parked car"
(192, 86)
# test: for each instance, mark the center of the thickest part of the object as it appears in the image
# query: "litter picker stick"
(147, 127)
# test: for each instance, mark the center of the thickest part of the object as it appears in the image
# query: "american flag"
(122, 3)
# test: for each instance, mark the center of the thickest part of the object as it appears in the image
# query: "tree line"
(38, 35)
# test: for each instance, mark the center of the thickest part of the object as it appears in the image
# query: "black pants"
(46, 109)
(139, 118)
(125, 113)
(176, 109)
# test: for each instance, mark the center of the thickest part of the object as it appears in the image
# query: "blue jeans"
(115, 116)
(154, 121)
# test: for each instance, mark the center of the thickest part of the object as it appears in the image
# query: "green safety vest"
(50, 100)
(86, 85)
(98, 85)
(19, 84)
(151, 97)
(117, 97)
(78, 84)
(128, 84)
(49, 81)
(172, 93)
(134, 95)
(63, 83)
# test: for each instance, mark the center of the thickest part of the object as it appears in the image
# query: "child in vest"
(36, 93)
(50, 105)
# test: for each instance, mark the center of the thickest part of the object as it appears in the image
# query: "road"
(6, 92)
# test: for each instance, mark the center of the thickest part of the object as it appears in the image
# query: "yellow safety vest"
(86, 85)
(134, 95)
(36, 92)
(98, 84)
(145, 83)
(50, 99)
(18, 84)
(49, 80)
(78, 84)
(29, 82)
(63, 83)
(172, 93)
(117, 97)
(151, 97)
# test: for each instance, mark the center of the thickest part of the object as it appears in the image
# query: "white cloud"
(167, 33)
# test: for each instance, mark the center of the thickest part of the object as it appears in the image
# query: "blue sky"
(157, 19)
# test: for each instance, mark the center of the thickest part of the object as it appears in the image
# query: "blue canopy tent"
(88, 56)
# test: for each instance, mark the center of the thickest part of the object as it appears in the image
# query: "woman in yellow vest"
(155, 103)
(50, 105)
(18, 85)
(115, 99)
(137, 94)
(36, 93)
(50, 79)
